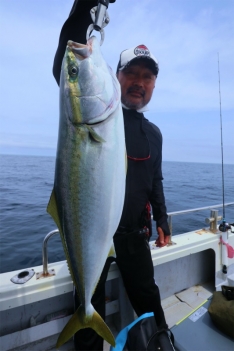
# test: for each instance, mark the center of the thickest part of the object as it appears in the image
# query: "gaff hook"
(100, 17)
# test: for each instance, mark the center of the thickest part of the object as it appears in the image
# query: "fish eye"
(73, 71)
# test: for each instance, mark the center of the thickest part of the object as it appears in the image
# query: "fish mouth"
(81, 51)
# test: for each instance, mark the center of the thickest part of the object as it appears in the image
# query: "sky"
(186, 36)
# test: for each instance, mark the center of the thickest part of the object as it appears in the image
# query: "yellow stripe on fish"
(89, 184)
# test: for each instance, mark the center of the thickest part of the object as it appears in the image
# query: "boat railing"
(213, 221)
(46, 273)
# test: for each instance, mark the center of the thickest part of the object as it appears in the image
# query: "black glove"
(75, 29)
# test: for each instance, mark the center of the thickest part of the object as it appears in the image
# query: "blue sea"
(25, 187)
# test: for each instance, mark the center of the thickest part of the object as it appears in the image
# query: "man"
(137, 72)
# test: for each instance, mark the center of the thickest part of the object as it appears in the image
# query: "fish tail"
(80, 321)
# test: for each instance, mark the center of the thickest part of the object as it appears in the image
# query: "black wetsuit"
(143, 184)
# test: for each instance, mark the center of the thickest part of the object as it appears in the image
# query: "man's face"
(137, 83)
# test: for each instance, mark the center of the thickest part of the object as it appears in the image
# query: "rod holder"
(213, 220)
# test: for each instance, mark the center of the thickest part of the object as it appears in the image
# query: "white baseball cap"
(129, 56)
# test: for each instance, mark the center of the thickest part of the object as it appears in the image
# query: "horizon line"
(54, 156)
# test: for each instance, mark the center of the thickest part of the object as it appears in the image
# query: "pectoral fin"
(94, 135)
(80, 321)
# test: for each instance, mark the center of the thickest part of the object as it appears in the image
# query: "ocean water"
(25, 187)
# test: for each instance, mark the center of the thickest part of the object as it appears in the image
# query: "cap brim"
(150, 63)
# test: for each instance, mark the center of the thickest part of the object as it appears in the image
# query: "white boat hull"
(195, 258)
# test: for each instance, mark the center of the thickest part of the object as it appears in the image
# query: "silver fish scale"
(90, 179)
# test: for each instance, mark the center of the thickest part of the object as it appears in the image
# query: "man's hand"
(162, 240)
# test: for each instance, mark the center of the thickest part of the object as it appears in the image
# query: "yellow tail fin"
(80, 321)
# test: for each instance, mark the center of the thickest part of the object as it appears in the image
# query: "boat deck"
(177, 309)
(194, 258)
(198, 333)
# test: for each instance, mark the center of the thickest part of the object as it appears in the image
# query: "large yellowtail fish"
(87, 200)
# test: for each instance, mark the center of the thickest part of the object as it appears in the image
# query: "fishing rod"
(223, 227)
